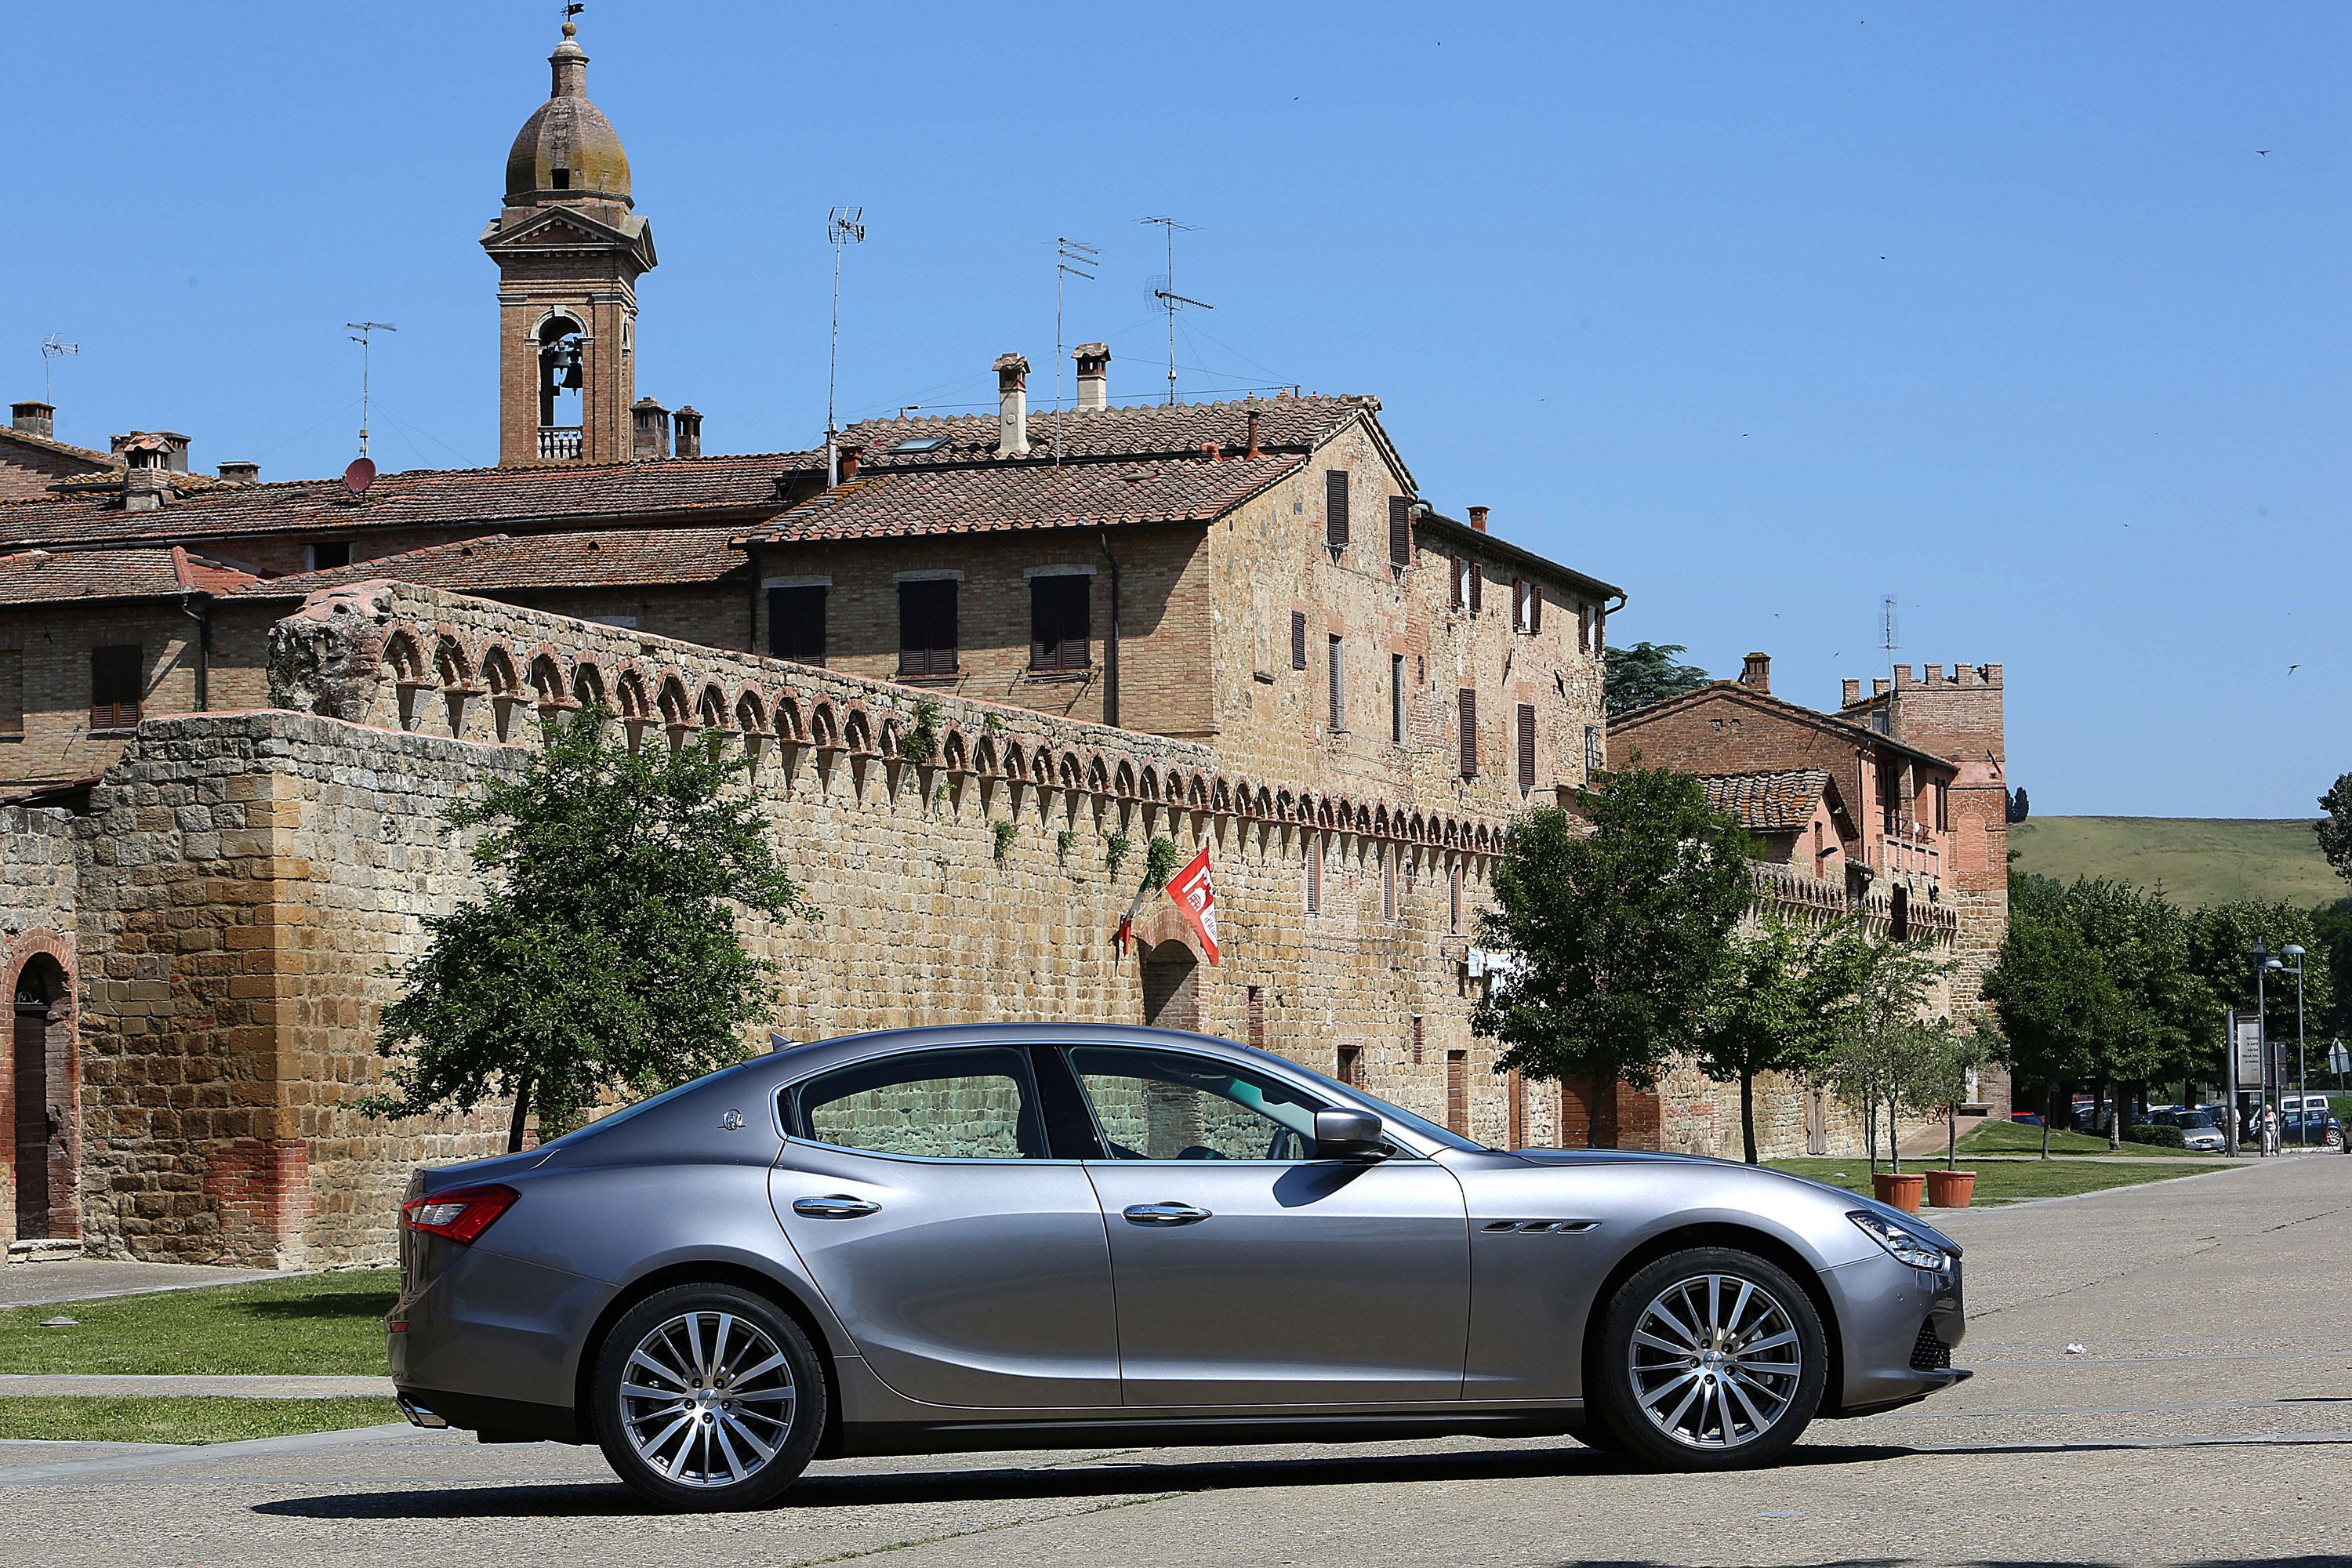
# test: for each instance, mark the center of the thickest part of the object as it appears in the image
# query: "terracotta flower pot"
(1902, 1192)
(1951, 1189)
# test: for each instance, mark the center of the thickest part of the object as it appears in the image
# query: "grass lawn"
(315, 1325)
(2016, 1138)
(2001, 1182)
(73, 1418)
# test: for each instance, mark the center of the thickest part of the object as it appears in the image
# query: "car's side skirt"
(1193, 1428)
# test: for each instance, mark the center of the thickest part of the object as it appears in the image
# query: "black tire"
(1738, 1366)
(700, 1451)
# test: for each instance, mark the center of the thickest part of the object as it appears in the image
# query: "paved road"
(2210, 1419)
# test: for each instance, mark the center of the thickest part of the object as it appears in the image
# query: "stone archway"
(1172, 987)
(41, 1098)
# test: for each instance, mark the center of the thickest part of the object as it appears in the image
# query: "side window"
(1165, 1105)
(927, 626)
(977, 1102)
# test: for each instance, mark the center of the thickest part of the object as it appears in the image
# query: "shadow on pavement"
(562, 1498)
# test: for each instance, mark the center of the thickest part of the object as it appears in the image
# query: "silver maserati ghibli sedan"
(1056, 1235)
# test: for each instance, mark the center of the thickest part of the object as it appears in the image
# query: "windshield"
(2192, 1119)
(1396, 1114)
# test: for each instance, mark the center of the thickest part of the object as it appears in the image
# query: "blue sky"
(2033, 316)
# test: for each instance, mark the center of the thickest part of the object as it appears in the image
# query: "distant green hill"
(2196, 861)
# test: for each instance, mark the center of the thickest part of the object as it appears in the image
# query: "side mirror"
(1348, 1135)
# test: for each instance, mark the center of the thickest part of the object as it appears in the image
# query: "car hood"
(1852, 1200)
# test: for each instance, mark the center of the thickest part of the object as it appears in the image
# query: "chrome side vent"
(1539, 1226)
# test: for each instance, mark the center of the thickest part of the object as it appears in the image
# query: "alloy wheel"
(1715, 1361)
(708, 1399)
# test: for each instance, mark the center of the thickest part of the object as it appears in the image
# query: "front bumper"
(1900, 1326)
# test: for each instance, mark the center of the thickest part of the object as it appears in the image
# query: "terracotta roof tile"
(1017, 497)
(605, 558)
(1289, 424)
(40, 577)
(1768, 803)
(746, 486)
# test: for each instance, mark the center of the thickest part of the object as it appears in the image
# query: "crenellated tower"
(569, 248)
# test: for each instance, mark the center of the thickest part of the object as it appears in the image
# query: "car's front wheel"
(1709, 1359)
(707, 1398)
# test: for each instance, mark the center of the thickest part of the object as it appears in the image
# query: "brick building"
(239, 708)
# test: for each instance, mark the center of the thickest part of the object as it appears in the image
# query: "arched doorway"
(37, 1074)
(1172, 988)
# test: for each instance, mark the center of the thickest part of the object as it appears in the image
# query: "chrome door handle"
(1164, 1214)
(840, 1205)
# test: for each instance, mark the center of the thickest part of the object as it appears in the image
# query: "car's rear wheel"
(707, 1398)
(1710, 1359)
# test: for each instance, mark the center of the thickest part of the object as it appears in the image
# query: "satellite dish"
(359, 476)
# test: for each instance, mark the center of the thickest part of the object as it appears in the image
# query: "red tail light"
(461, 1216)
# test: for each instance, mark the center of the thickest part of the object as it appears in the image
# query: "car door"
(968, 1264)
(1248, 1271)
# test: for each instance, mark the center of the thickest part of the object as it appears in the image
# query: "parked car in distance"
(1056, 1235)
(2197, 1131)
(2026, 1118)
(2315, 1128)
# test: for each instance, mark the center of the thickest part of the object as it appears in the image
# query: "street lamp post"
(2302, 1084)
(2264, 1094)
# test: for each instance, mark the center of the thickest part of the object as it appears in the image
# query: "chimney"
(1094, 375)
(1478, 517)
(1253, 434)
(34, 419)
(170, 445)
(650, 432)
(851, 455)
(689, 431)
(1757, 673)
(1853, 694)
(146, 478)
(241, 473)
(1012, 407)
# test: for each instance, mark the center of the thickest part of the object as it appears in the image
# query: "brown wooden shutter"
(1526, 746)
(1467, 700)
(1478, 581)
(1458, 570)
(12, 692)
(927, 627)
(1334, 508)
(796, 624)
(114, 680)
(1518, 606)
(1535, 607)
(1061, 629)
(1298, 639)
(1457, 1093)
(1584, 628)
(1339, 690)
(1400, 532)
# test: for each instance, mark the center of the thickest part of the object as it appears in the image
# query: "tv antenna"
(1886, 631)
(1071, 259)
(53, 349)
(843, 226)
(1164, 290)
(367, 330)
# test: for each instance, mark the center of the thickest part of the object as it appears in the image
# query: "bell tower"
(569, 248)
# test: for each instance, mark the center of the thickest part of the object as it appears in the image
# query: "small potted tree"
(1941, 1067)
(1878, 1061)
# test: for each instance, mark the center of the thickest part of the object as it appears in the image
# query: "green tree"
(1947, 1058)
(2054, 998)
(1619, 933)
(2334, 830)
(1782, 1002)
(1887, 1028)
(2221, 960)
(1644, 673)
(604, 956)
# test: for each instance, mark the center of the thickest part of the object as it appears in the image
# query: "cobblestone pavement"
(2208, 1418)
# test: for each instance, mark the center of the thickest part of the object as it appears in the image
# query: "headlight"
(1903, 1245)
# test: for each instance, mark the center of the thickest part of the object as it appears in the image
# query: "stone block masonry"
(247, 877)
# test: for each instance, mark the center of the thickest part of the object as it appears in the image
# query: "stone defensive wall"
(248, 879)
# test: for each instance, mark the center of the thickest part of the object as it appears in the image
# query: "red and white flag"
(1196, 895)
